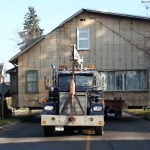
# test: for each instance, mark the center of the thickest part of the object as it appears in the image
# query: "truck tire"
(48, 130)
(99, 130)
(106, 113)
(118, 114)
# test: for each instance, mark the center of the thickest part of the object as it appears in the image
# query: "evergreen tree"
(31, 26)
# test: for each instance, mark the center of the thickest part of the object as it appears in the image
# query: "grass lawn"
(6, 121)
(140, 112)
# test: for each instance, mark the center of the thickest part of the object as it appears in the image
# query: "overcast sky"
(52, 13)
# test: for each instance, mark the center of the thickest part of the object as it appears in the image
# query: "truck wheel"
(105, 113)
(99, 130)
(48, 130)
(118, 114)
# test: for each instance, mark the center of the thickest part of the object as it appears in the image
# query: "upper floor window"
(31, 81)
(83, 39)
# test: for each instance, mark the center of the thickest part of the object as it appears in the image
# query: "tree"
(31, 26)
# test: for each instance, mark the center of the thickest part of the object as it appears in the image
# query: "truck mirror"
(47, 81)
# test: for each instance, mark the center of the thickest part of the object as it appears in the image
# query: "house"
(2, 75)
(2, 72)
(117, 44)
(4, 88)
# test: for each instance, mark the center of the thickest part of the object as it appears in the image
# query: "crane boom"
(78, 60)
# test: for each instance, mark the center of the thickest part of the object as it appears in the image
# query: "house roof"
(104, 12)
(27, 46)
(12, 70)
(1, 68)
(35, 41)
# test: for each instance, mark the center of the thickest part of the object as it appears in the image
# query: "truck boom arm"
(78, 60)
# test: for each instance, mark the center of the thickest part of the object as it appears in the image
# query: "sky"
(52, 13)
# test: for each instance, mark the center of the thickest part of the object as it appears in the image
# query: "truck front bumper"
(62, 120)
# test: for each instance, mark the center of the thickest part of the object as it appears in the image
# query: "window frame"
(26, 82)
(13, 83)
(123, 81)
(85, 38)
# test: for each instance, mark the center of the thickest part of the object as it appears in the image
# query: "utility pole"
(145, 1)
(147, 4)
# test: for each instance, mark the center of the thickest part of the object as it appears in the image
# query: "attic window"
(82, 19)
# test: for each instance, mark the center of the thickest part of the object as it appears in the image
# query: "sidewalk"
(125, 115)
(25, 112)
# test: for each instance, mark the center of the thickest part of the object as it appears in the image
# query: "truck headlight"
(97, 108)
(48, 107)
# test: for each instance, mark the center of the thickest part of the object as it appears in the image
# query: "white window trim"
(78, 39)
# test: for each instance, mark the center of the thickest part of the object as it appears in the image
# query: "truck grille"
(65, 107)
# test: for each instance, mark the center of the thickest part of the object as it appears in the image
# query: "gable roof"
(35, 41)
(27, 46)
(12, 70)
(103, 12)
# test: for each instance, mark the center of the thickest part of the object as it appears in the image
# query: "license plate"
(59, 128)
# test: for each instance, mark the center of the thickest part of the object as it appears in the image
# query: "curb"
(2, 127)
(132, 114)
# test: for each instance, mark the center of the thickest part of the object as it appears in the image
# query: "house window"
(126, 80)
(83, 39)
(13, 83)
(31, 81)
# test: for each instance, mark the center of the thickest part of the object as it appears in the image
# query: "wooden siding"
(108, 51)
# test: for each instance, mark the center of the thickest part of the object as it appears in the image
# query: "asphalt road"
(120, 134)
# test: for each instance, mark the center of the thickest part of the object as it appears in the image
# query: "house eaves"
(14, 58)
(12, 70)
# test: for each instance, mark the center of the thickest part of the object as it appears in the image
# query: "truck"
(75, 98)
(114, 106)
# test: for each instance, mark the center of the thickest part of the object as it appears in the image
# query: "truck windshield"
(80, 80)
(64, 81)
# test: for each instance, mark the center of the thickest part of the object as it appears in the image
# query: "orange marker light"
(100, 122)
(43, 122)
(62, 67)
(90, 66)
